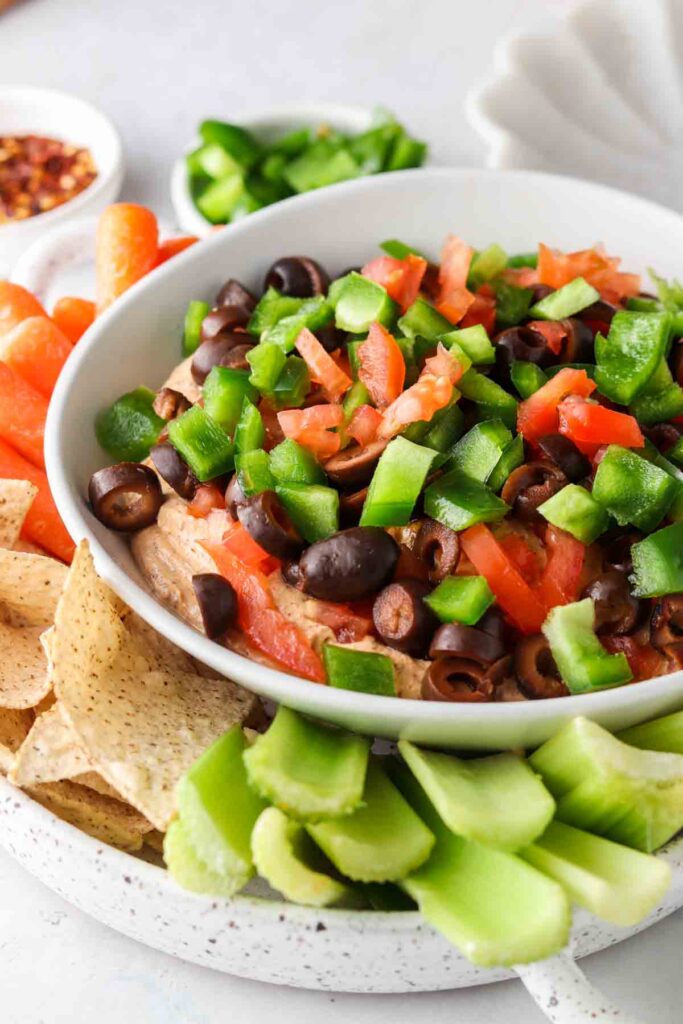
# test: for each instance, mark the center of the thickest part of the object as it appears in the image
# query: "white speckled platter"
(265, 939)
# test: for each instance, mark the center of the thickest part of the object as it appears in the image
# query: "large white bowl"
(138, 340)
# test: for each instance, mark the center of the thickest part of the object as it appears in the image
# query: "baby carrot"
(37, 350)
(42, 525)
(126, 249)
(172, 246)
(73, 316)
(22, 415)
(16, 304)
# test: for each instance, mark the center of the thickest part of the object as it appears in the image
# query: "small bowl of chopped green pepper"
(236, 168)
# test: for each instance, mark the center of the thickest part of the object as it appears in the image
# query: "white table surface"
(157, 67)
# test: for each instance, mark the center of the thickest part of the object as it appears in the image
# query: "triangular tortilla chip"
(140, 719)
(16, 498)
(94, 781)
(14, 728)
(50, 753)
(105, 819)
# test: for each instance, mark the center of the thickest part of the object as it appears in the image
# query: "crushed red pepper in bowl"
(38, 174)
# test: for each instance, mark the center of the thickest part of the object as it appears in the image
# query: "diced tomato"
(556, 269)
(16, 304)
(401, 278)
(126, 248)
(590, 426)
(481, 311)
(316, 417)
(206, 498)
(520, 277)
(241, 544)
(561, 577)
(444, 364)
(22, 415)
(173, 246)
(454, 299)
(553, 331)
(418, 402)
(513, 593)
(455, 307)
(37, 350)
(382, 367)
(262, 622)
(42, 525)
(538, 415)
(322, 443)
(74, 316)
(344, 623)
(324, 370)
(644, 661)
(523, 557)
(364, 424)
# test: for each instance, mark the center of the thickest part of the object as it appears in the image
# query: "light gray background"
(157, 67)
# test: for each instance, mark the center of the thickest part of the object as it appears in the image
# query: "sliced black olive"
(126, 497)
(457, 680)
(234, 496)
(563, 452)
(330, 337)
(169, 404)
(297, 275)
(522, 343)
(578, 346)
(354, 466)
(600, 312)
(409, 566)
(663, 436)
(439, 549)
(349, 565)
(530, 485)
(236, 358)
(667, 625)
(351, 506)
(616, 609)
(616, 549)
(493, 622)
(505, 685)
(539, 291)
(217, 602)
(222, 320)
(215, 353)
(174, 470)
(402, 619)
(235, 294)
(536, 670)
(266, 521)
(466, 642)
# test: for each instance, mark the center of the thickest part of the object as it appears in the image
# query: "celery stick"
(615, 883)
(306, 769)
(189, 871)
(497, 801)
(382, 841)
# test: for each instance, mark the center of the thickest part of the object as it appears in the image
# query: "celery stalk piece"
(615, 883)
(665, 734)
(600, 784)
(496, 908)
(497, 801)
(186, 868)
(285, 856)
(218, 808)
(306, 769)
(382, 841)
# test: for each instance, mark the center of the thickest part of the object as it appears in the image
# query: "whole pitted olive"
(217, 602)
(126, 497)
(457, 680)
(536, 670)
(466, 642)
(264, 518)
(235, 294)
(563, 452)
(349, 565)
(218, 352)
(174, 470)
(578, 346)
(439, 549)
(221, 321)
(530, 485)
(169, 404)
(667, 625)
(402, 619)
(234, 496)
(616, 609)
(354, 466)
(297, 275)
(524, 343)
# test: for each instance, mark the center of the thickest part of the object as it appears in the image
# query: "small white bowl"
(137, 341)
(28, 111)
(268, 127)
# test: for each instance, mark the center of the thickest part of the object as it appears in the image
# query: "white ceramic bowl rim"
(284, 687)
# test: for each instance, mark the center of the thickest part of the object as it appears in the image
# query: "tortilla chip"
(50, 753)
(16, 498)
(141, 719)
(105, 819)
(14, 728)
(95, 781)
(155, 840)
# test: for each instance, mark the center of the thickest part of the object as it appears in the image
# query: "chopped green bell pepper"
(371, 149)
(479, 451)
(474, 342)
(512, 457)
(192, 329)
(360, 302)
(361, 671)
(461, 599)
(313, 313)
(629, 355)
(405, 153)
(639, 304)
(313, 509)
(566, 301)
(523, 259)
(224, 392)
(421, 319)
(676, 453)
(661, 399)
(356, 396)
(267, 362)
(293, 384)
(396, 483)
(527, 377)
(457, 501)
(632, 489)
(583, 662)
(658, 563)
(399, 250)
(204, 446)
(292, 464)
(490, 398)
(512, 303)
(250, 432)
(271, 308)
(486, 264)
(653, 455)
(323, 163)
(253, 471)
(444, 429)
(575, 510)
(130, 427)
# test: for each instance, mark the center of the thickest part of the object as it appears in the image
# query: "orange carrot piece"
(42, 525)
(22, 415)
(126, 249)
(16, 304)
(37, 350)
(172, 246)
(74, 316)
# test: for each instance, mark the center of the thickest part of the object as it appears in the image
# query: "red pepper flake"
(38, 174)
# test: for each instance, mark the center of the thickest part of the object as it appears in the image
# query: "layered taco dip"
(453, 481)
